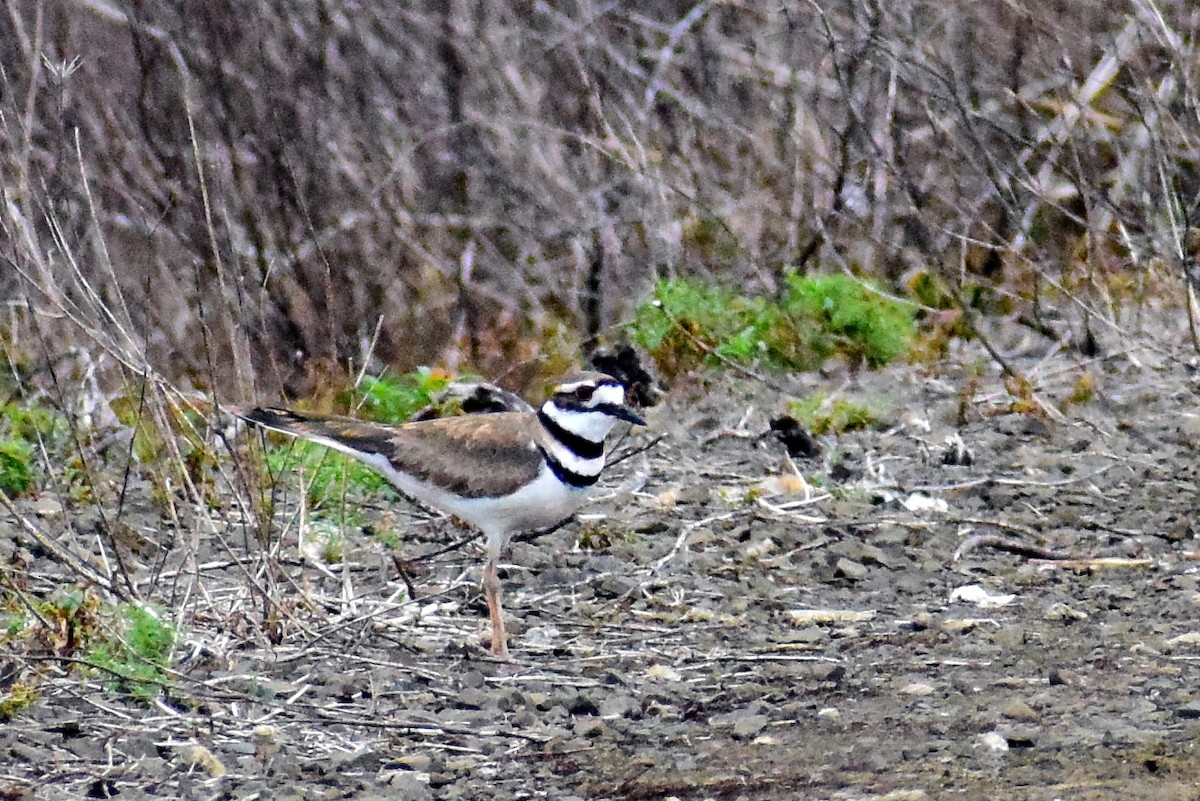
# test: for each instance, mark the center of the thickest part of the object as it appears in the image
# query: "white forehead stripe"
(574, 385)
(609, 393)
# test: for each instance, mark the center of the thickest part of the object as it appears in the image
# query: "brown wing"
(473, 456)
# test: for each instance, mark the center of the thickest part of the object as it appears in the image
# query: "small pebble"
(1018, 710)
(416, 762)
(749, 725)
(1060, 678)
(1018, 737)
(1060, 611)
(959, 625)
(917, 688)
(994, 742)
(848, 568)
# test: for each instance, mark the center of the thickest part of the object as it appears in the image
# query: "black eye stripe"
(581, 397)
(572, 404)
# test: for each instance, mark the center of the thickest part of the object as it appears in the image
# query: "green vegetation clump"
(137, 659)
(16, 466)
(32, 421)
(130, 644)
(687, 323)
(326, 543)
(327, 476)
(863, 324)
(395, 399)
(387, 537)
(47, 629)
(1082, 391)
(16, 700)
(820, 415)
(22, 427)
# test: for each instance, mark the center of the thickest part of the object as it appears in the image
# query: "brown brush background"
(256, 195)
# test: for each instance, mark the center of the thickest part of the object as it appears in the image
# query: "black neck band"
(566, 476)
(583, 448)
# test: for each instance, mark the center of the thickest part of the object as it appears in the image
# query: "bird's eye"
(584, 393)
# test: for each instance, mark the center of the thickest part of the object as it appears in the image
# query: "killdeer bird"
(503, 473)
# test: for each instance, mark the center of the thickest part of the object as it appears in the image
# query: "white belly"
(542, 503)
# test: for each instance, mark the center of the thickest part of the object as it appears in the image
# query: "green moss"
(822, 416)
(24, 427)
(389, 539)
(136, 657)
(16, 466)
(31, 422)
(686, 324)
(864, 324)
(394, 399)
(16, 700)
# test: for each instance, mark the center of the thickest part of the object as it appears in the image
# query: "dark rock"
(1189, 711)
(799, 443)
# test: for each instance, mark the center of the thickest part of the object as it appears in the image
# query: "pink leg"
(491, 591)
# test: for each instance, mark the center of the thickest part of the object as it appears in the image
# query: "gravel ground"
(711, 628)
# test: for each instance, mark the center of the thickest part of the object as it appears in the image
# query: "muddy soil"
(706, 630)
